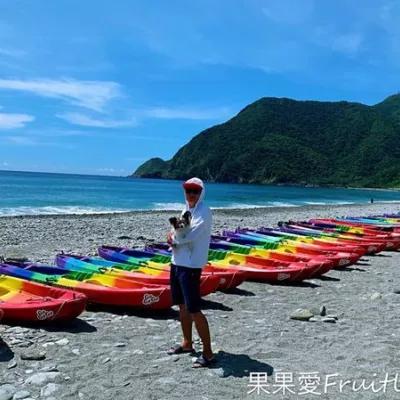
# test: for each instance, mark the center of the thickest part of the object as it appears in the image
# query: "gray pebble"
(376, 296)
(22, 394)
(302, 315)
(332, 316)
(33, 355)
(42, 378)
(12, 364)
(49, 389)
(50, 368)
(62, 342)
(7, 392)
(330, 320)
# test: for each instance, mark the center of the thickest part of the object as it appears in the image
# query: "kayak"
(97, 288)
(262, 270)
(23, 301)
(228, 278)
(340, 259)
(325, 240)
(226, 259)
(318, 244)
(395, 228)
(138, 273)
(372, 243)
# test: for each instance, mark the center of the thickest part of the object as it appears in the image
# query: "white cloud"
(181, 113)
(12, 52)
(13, 121)
(21, 140)
(93, 95)
(33, 141)
(5, 164)
(49, 132)
(85, 120)
(105, 169)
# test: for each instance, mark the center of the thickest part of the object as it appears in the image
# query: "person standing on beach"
(189, 256)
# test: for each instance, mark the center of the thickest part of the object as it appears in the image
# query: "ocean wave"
(168, 206)
(57, 210)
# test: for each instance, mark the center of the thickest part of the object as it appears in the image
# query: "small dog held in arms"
(181, 226)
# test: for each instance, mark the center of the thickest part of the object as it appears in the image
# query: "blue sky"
(98, 87)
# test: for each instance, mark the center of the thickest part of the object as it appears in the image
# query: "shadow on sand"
(327, 278)
(74, 326)
(351, 269)
(214, 305)
(381, 255)
(6, 354)
(154, 314)
(302, 284)
(132, 312)
(238, 292)
(240, 365)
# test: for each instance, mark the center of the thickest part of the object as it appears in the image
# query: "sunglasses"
(193, 191)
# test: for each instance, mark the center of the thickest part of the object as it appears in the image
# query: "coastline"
(40, 237)
(116, 353)
(216, 210)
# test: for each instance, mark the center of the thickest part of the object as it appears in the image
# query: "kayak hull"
(24, 301)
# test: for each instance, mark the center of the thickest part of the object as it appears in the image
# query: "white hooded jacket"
(192, 250)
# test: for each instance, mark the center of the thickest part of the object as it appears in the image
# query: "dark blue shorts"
(185, 287)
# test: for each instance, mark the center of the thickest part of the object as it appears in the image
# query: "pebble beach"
(261, 352)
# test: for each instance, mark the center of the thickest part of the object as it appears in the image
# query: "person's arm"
(194, 232)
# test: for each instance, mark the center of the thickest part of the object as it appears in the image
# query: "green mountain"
(284, 141)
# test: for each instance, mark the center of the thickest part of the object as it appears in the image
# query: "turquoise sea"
(23, 193)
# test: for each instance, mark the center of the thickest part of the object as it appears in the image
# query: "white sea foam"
(60, 210)
(168, 206)
(316, 203)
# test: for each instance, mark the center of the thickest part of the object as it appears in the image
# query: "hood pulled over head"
(195, 183)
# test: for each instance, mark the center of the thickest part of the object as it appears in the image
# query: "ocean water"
(30, 193)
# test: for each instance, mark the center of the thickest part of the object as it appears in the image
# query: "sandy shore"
(112, 354)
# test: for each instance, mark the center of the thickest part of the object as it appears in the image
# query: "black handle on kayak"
(143, 263)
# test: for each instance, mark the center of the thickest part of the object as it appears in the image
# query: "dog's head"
(181, 223)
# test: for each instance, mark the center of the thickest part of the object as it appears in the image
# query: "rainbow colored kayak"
(340, 259)
(264, 235)
(377, 227)
(96, 287)
(229, 247)
(226, 259)
(229, 278)
(138, 273)
(373, 243)
(320, 239)
(256, 268)
(23, 301)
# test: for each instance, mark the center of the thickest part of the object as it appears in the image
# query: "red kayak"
(24, 301)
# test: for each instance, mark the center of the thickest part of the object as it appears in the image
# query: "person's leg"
(190, 283)
(184, 317)
(186, 326)
(203, 330)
